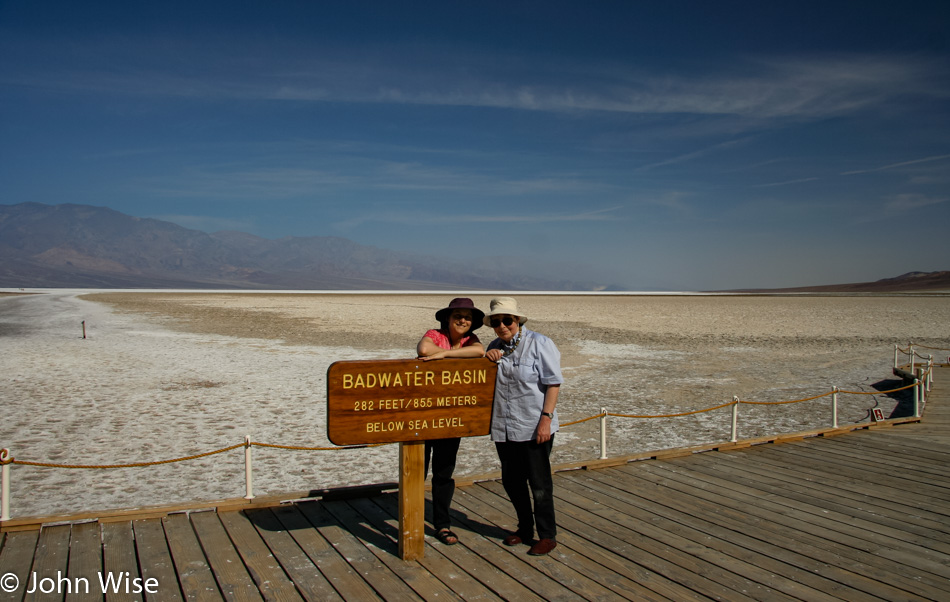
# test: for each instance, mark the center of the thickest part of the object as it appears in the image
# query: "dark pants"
(443, 453)
(524, 465)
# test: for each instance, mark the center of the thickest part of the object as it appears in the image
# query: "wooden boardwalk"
(859, 516)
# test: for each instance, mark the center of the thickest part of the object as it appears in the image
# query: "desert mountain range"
(81, 246)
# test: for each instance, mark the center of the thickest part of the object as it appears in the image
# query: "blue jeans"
(526, 474)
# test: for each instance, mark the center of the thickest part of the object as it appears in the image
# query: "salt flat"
(163, 375)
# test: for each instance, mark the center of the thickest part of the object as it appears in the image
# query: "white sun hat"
(504, 305)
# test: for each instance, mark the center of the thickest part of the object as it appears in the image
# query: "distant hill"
(79, 246)
(911, 281)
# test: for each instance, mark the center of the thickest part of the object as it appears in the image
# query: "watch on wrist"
(548, 414)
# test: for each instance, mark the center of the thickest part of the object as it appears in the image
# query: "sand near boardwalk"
(164, 375)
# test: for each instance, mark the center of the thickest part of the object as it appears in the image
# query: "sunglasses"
(508, 321)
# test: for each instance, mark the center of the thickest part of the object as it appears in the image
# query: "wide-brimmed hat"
(478, 316)
(504, 305)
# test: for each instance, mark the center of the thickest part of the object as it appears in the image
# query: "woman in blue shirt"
(524, 420)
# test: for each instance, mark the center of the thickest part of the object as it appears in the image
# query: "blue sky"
(658, 146)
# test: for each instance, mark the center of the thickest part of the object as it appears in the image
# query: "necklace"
(510, 348)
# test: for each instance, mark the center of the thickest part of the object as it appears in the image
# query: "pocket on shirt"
(527, 372)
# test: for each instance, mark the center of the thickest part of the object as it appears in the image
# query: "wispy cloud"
(423, 218)
(777, 87)
(246, 181)
(896, 165)
(903, 203)
(696, 154)
(785, 183)
(207, 223)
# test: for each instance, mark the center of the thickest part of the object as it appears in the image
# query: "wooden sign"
(389, 401)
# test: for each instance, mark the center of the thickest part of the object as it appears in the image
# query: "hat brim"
(478, 316)
(487, 320)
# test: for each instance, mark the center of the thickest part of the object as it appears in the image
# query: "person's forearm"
(470, 351)
(544, 422)
(550, 398)
(431, 351)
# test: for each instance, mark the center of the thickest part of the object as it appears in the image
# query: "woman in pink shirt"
(453, 339)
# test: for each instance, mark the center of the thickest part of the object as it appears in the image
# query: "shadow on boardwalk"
(864, 515)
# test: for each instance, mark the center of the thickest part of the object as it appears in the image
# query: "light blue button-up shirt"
(523, 378)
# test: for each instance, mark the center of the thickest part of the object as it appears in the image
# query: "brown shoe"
(512, 540)
(542, 547)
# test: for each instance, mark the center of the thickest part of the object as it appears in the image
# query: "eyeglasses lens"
(495, 323)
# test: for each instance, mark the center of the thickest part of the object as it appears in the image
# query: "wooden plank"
(85, 561)
(876, 458)
(16, 558)
(842, 516)
(155, 561)
(438, 565)
(226, 566)
(385, 548)
(194, 575)
(267, 573)
(859, 483)
(639, 550)
(892, 453)
(576, 532)
(776, 575)
(868, 483)
(50, 563)
(872, 474)
(796, 513)
(572, 567)
(896, 515)
(309, 580)
(752, 503)
(765, 548)
(387, 585)
(334, 567)
(119, 563)
(913, 442)
(742, 513)
(465, 556)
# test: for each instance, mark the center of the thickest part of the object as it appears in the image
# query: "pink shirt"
(442, 340)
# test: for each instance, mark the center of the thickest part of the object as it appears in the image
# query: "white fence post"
(834, 408)
(735, 418)
(603, 433)
(916, 398)
(5, 484)
(930, 371)
(248, 480)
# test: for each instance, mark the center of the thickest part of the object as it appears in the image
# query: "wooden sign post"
(412, 500)
(409, 402)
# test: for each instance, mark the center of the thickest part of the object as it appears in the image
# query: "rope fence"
(921, 385)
